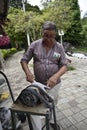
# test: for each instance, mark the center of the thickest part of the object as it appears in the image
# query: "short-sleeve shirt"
(45, 64)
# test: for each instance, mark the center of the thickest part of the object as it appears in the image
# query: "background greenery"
(65, 13)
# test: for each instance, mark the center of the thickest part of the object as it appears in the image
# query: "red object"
(5, 42)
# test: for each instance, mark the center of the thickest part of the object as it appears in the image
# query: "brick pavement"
(72, 105)
(73, 97)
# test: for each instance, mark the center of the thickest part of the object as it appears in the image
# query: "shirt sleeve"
(63, 59)
(28, 54)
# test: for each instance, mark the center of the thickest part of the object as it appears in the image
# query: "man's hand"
(52, 81)
(30, 77)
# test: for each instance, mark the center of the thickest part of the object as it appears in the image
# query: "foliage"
(15, 3)
(35, 8)
(36, 22)
(17, 27)
(65, 13)
(80, 50)
(35, 27)
(8, 52)
(72, 34)
(19, 5)
(84, 31)
(70, 68)
(58, 12)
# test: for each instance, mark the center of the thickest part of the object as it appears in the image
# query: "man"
(49, 62)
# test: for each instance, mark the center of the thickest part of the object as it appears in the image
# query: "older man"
(49, 63)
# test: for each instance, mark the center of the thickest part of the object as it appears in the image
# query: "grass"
(80, 50)
(70, 68)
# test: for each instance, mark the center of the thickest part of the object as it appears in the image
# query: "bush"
(8, 52)
(70, 68)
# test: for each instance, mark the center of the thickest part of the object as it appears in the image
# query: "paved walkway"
(72, 106)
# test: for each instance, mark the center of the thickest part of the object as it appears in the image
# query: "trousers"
(37, 120)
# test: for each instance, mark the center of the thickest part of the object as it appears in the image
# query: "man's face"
(48, 36)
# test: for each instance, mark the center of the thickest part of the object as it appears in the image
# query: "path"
(72, 106)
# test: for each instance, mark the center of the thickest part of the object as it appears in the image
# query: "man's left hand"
(52, 81)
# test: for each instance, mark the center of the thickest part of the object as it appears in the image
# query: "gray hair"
(48, 25)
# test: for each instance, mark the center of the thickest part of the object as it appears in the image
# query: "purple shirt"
(45, 64)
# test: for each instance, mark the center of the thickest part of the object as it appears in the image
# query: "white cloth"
(36, 120)
(79, 55)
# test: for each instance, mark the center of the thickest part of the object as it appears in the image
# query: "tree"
(15, 3)
(84, 30)
(18, 25)
(58, 11)
(35, 8)
(73, 32)
(66, 14)
(3, 11)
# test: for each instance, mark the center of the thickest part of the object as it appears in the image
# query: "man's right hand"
(30, 77)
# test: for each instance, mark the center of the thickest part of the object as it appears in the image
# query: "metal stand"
(39, 110)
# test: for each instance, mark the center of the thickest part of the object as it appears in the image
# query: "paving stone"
(84, 113)
(85, 90)
(79, 100)
(67, 89)
(75, 109)
(67, 112)
(71, 97)
(84, 97)
(72, 119)
(65, 123)
(82, 106)
(85, 121)
(61, 95)
(72, 106)
(60, 116)
(73, 103)
(78, 117)
(64, 106)
(71, 128)
(81, 126)
(26, 127)
(63, 100)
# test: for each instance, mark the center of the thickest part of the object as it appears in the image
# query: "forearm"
(29, 76)
(53, 80)
(25, 67)
(62, 70)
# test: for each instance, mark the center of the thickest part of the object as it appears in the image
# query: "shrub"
(70, 68)
(8, 52)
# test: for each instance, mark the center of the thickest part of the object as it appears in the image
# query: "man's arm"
(29, 75)
(53, 80)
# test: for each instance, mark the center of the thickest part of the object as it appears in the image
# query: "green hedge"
(8, 52)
